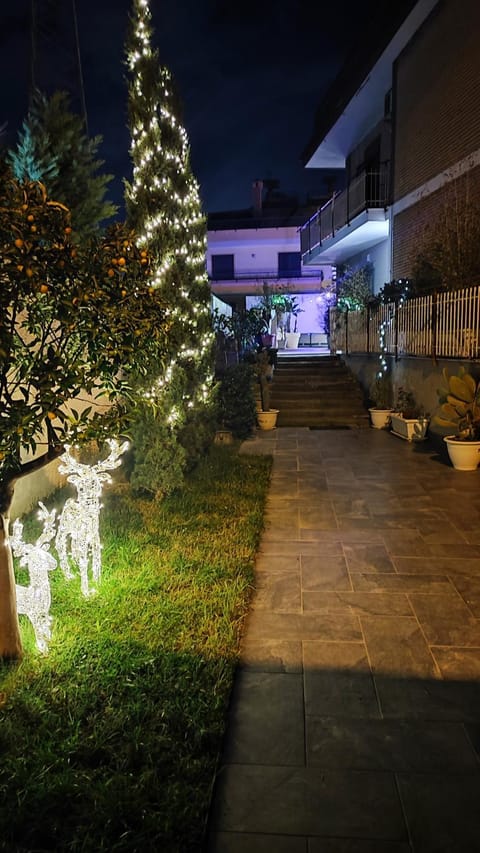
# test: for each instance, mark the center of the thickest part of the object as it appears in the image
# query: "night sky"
(250, 75)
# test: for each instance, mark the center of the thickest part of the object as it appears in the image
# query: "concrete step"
(317, 392)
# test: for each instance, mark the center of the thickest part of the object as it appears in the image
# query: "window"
(222, 267)
(289, 264)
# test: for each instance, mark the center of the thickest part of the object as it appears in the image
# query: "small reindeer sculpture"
(34, 600)
(80, 516)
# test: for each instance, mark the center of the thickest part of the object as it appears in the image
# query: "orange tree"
(75, 325)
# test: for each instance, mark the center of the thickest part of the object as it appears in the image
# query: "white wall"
(256, 249)
(380, 257)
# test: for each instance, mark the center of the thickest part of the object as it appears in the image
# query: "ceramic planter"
(464, 455)
(267, 420)
(411, 429)
(380, 418)
(292, 339)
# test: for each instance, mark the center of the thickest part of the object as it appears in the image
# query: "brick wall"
(412, 227)
(437, 95)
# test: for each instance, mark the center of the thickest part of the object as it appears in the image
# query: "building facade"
(260, 247)
(405, 128)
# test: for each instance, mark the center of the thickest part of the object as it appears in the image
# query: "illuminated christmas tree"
(163, 205)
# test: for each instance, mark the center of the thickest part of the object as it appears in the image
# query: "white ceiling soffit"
(365, 109)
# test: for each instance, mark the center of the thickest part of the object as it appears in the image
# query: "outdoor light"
(79, 521)
(34, 601)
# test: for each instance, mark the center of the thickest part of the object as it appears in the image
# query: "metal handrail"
(367, 190)
(260, 275)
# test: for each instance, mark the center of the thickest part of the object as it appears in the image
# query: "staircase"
(316, 391)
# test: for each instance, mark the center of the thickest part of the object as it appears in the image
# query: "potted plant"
(460, 411)
(263, 367)
(408, 420)
(381, 396)
(270, 304)
(292, 310)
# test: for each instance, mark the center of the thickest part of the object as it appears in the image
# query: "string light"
(34, 601)
(78, 536)
(166, 195)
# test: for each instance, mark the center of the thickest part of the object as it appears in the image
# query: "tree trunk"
(10, 642)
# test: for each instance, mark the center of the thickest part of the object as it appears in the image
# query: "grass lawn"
(110, 742)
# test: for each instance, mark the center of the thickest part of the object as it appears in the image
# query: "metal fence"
(441, 325)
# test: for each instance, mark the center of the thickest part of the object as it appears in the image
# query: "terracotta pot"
(267, 420)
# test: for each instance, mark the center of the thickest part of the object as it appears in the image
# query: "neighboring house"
(248, 249)
(403, 121)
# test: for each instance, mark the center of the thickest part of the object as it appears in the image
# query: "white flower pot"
(464, 455)
(291, 340)
(380, 418)
(411, 429)
(267, 420)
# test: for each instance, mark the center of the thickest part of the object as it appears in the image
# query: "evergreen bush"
(236, 400)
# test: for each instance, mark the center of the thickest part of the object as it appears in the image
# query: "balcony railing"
(442, 325)
(265, 275)
(367, 190)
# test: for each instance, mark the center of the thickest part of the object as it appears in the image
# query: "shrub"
(236, 400)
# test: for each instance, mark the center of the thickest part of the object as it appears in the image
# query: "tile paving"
(355, 718)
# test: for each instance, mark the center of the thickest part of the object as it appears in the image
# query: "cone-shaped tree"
(163, 206)
(74, 324)
(54, 148)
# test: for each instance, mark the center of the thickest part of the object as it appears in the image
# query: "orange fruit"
(33, 228)
(124, 293)
(121, 262)
(20, 267)
(18, 243)
(43, 288)
(51, 416)
(114, 261)
(111, 272)
(68, 230)
(30, 217)
(29, 272)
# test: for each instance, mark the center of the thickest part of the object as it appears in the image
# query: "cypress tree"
(163, 206)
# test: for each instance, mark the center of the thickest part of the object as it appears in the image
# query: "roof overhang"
(366, 107)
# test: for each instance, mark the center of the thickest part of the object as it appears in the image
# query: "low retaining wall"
(35, 487)
(420, 375)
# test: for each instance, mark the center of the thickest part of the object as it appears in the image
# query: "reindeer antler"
(68, 463)
(113, 459)
(48, 519)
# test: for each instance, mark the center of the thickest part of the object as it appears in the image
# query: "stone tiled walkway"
(355, 719)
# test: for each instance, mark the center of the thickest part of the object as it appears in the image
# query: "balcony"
(350, 221)
(250, 282)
